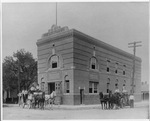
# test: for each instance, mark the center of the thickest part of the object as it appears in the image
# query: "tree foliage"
(21, 64)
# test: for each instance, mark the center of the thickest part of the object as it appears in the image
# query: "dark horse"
(110, 100)
(103, 100)
(39, 99)
(115, 100)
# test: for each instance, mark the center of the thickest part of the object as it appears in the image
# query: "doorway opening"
(51, 87)
(81, 95)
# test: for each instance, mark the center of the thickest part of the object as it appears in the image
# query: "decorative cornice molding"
(54, 30)
(55, 33)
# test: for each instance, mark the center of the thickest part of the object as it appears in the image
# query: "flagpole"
(56, 13)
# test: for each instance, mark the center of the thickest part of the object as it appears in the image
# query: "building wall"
(64, 49)
(83, 51)
(75, 51)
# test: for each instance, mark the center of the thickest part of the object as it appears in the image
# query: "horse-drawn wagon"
(33, 99)
(116, 100)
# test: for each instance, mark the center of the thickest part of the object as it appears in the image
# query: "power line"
(134, 45)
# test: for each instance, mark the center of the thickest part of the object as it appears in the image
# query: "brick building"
(78, 67)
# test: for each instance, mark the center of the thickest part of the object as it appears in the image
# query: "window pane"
(90, 90)
(93, 63)
(90, 87)
(93, 66)
(67, 86)
(95, 87)
(116, 71)
(107, 90)
(54, 65)
(54, 61)
(67, 91)
(107, 69)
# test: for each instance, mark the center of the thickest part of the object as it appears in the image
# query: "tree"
(19, 70)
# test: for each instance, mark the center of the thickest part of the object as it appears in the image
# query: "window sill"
(53, 69)
(96, 70)
(66, 93)
(93, 93)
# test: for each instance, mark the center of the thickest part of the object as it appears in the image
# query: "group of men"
(131, 96)
(24, 93)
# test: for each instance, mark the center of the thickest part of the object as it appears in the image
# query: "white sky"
(114, 23)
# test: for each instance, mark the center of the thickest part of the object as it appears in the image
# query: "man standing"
(131, 99)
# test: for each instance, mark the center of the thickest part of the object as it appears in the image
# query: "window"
(93, 87)
(93, 63)
(54, 61)
(116, 84)
(124, 66)
(90, 87)
(116, 67)
(108, 87)
(108, 84)
(108, 63)
(67, 83)
(54, 64)
(107, 69)
(57, 86)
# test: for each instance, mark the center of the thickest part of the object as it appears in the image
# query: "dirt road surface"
(14, 112)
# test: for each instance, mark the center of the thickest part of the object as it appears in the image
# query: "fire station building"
(78, 67)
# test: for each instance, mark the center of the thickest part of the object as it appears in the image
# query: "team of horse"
(37, 99)
(113, 101)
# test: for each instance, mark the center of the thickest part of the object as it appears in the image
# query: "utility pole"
(133, 45)
(18, 76)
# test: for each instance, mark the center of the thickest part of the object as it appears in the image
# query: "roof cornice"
(54, 37)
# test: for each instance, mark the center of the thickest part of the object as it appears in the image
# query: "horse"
(111, 101)
(39, 98)
(31, 100)
(50, 99)
(103, 100)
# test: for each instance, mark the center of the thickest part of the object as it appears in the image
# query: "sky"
(115, 23)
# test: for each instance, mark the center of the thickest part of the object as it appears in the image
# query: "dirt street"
(15, 112)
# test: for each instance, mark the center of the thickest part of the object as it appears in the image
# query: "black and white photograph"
(75, 60)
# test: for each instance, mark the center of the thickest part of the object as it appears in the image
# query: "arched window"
(108, 85)
(93, 63)
(54, 61)
(124, 69)
(116, 68)
(116, 84)
(67, 85)
(108, 64)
